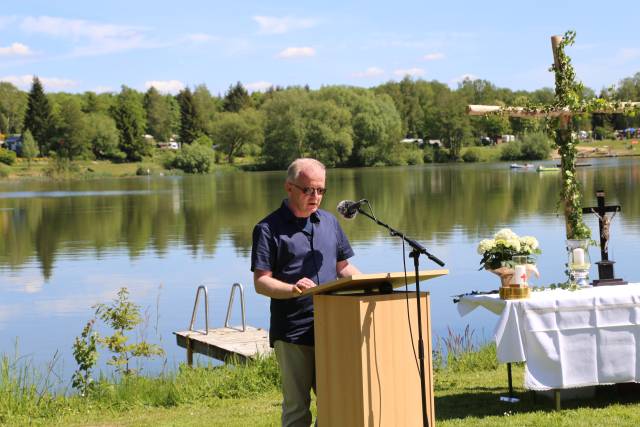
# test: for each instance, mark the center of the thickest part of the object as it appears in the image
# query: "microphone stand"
(417, 250)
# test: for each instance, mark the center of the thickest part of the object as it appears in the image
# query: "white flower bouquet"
(499, 251)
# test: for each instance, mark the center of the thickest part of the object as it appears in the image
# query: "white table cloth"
(568, 338)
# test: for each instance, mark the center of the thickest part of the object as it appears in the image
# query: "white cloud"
(276, 25)
(50, 83)
(433, 56)
(369, 72)
(165, 86)
(258, 86)
(200, 38)
(6, 20)
(628, 54)
(17, 49)
(413, 72)
(464, 77)
(297, 52)
(28, 283)
(97, 38)
(103, 89)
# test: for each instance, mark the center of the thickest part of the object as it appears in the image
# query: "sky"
(79, 45)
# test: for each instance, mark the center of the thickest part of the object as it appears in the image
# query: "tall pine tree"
(38, 118)
(189, 128)
(236, 99)
(129, 115)
(158, 115)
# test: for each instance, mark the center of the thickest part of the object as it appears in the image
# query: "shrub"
(428, 155)
(471, 156)
(511, 151)
(413, 157)
(7, 157)
(4, 170)
(535, 146)
(194, 158)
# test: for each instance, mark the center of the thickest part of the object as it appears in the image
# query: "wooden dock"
(225, 343)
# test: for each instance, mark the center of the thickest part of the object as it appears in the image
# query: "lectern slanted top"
(364, 282)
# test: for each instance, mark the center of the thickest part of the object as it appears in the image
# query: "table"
(568, 338)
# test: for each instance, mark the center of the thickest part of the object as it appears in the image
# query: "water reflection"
(66, 246)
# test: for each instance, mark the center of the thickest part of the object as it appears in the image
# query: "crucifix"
(605, 265)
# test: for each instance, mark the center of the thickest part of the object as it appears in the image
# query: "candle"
(578, 256)
(520, 275)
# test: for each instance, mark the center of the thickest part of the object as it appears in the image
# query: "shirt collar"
(290, 217)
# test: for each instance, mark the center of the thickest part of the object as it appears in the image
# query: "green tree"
(189, 128)
(236, 98)
(70, 137)
(129, 116)
(13, 105)
(375, 122)
(233, 131)
(29, 147)
(206, 108)
(285, 129)
(123, 316)
(38, 117)
(4, 124)
(103, 137)
(158, 115)
(328, 134)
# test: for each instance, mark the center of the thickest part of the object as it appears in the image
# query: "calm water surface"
(65, 246)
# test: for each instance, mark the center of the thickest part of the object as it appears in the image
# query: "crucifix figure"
(605, 266)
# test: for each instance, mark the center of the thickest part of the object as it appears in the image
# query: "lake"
(65, 246)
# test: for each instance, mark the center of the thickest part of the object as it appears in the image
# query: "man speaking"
(296, 247)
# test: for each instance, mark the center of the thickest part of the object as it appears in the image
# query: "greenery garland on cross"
(568, 101)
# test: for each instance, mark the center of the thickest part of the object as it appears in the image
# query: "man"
(297, 247)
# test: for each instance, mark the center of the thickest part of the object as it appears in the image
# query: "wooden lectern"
(366, 366)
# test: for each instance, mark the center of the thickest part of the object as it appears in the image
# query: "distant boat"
(519, 166)
(547, 169)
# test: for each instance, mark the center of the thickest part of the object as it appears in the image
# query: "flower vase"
(513, 280)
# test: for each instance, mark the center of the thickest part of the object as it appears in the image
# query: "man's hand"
(302, 284)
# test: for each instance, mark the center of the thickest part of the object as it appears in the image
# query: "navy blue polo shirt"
(293, 248)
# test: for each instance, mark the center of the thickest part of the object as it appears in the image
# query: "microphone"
(349, 208)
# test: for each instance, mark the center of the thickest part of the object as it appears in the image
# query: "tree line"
(341, 125)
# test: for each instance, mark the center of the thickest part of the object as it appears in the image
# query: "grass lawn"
(467, 393)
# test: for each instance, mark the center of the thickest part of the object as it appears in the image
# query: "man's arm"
(344, 269)
(266, 284)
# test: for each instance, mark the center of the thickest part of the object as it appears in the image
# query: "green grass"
(467, 392)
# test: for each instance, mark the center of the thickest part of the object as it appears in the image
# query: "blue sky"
(84, 45)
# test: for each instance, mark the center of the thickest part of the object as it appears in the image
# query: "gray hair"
(298, 165)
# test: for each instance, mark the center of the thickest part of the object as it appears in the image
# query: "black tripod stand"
(417, 250)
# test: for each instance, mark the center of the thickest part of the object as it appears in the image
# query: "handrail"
(231, 297)
(206, 309)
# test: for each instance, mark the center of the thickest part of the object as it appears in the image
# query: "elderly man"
(297, 247)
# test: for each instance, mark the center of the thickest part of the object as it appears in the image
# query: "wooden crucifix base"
(605, 272)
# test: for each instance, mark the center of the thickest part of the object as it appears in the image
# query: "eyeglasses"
(308, 191)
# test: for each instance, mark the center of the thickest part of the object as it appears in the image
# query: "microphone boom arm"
(413, 243)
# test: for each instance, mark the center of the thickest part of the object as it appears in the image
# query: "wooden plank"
(223, 343)
(481, 110)
(360, 282)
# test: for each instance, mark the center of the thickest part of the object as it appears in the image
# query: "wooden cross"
(603, 221)
(571, 192)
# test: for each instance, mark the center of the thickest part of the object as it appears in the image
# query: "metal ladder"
(229, 306)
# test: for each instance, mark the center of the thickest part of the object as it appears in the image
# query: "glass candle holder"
(579, 261)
